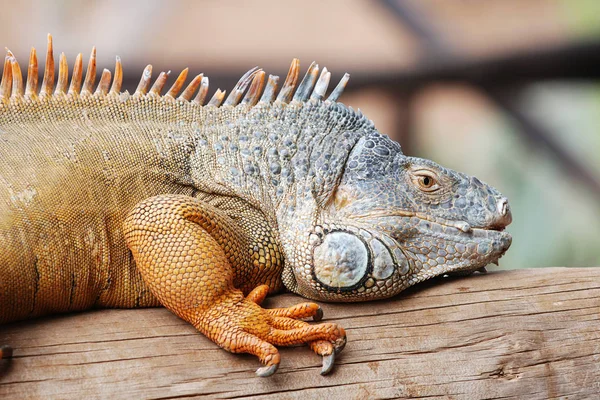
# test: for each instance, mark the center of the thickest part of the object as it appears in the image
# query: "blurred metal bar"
(574, 61)
(431, 40)
(533, 131)
(507, 100)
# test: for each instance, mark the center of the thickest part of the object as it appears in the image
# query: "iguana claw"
(269, 370)
(318, 315)
(328, 362)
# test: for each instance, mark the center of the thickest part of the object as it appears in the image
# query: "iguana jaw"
(380, 253)
(377, 256)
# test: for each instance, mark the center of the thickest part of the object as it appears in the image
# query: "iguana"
(111, 199)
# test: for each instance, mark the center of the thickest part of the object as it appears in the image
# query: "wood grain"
(531, 334)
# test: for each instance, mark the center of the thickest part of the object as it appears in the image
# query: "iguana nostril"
(502, 206)
(504, 215)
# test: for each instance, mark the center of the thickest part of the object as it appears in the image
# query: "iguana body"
(220, 204)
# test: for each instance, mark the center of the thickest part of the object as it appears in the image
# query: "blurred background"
(507, 90)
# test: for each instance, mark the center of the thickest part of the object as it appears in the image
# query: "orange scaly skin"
(178, 244)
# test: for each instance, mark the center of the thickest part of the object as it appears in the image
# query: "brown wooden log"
(532, 334)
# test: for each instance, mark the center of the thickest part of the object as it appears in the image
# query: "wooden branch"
(531, 334)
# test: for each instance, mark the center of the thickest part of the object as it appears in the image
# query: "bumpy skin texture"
(112, 200)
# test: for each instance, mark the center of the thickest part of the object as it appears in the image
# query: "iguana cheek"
(341, 260)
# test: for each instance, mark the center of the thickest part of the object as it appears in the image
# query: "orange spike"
(160, 83)
(75, 86)
(256, 88)
(6, 84)
(48, 81)
(201, 96)
(32, 75)
(118, 81)
(287, 90)
(17, 86)
(191, 88)
(270, 90)
(217, 98)
(178, 83)
(90, 75)
(63, 75)
(104, 83)
(238, 90)
(145, 80)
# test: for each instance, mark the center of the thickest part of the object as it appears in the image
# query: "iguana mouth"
(460, 225)
(460, 231)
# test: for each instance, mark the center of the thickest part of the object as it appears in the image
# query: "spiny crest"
(252, 83)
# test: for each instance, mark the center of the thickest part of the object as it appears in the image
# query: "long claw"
(318, 315)
(328, 362)
(269, 370)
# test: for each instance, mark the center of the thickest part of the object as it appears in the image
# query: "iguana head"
(391, 221)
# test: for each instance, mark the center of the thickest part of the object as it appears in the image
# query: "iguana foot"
(303, 310)
(240, 325)
(185, 250)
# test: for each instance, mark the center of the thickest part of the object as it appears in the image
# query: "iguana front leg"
(186, 251)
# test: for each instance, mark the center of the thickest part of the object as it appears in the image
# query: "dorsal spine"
(250, 89)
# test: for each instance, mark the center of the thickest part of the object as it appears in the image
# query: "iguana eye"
(426, 181)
